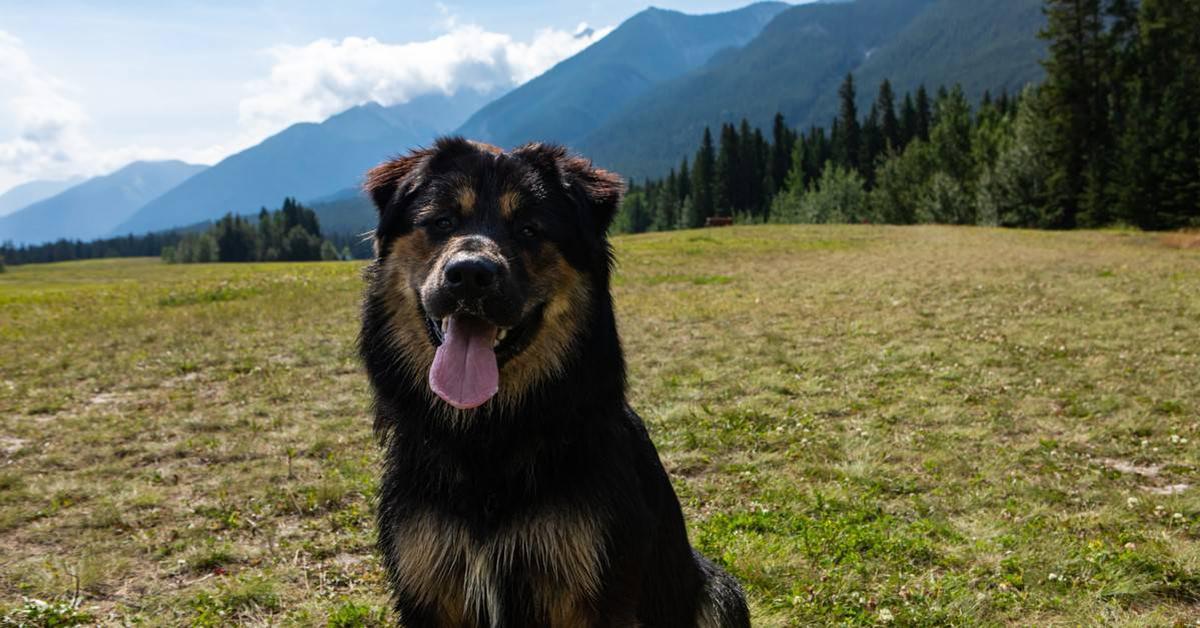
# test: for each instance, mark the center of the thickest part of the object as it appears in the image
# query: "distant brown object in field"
(1187, 239)
(718, 221)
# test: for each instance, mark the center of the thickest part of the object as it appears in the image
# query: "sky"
(90, 86)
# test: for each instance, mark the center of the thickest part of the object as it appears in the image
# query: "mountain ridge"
(580, 92)
(92, 208)
(305, 160)
(815, 45)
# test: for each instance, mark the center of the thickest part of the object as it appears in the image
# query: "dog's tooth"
(501, 335)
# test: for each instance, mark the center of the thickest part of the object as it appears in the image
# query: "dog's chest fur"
(551, 561)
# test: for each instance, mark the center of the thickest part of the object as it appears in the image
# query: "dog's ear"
(597, 190)
(388, 182)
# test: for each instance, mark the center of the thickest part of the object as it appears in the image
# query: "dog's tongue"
(464, 371)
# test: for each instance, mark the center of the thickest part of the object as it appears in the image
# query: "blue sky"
(93, 85)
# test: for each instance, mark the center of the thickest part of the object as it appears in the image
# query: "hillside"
(796, 63)
(93, 208)
(580, 93)
(23, 195)
(305, 161)
(348, 212)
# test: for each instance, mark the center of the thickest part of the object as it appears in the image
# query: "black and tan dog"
(519, 489)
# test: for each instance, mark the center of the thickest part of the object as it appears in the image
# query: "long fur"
(545, 508)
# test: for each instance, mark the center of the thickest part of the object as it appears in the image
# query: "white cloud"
(39, 123)
(44, 129)
(312, 82)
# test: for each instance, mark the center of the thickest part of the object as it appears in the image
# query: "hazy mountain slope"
(577, 95)
(983, 45)
(91, 209)
(26, 194)
(305, 161)
(798, 61)
(347, 212)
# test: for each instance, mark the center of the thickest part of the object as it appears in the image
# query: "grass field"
(915, 426)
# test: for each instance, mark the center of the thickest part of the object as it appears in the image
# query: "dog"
(519, 488)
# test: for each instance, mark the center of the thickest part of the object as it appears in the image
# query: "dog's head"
(485, 259)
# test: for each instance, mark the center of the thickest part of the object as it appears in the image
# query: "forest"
(1108, 139)
(290, 234)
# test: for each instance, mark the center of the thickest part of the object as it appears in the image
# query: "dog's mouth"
(470, 351)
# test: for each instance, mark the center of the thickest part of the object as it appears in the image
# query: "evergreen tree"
(1160, 173)
(702, 180)
(908, 122)
(685, 181)
(782, 141)
(818, 151)
(924, 111)
(757, 173)
(633, 216)
(873, 145)
(1078, 105)
(889, 125)
(666, 210)
(848, 143)
(726, 184)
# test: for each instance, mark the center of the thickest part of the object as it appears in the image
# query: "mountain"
(797, 62)
(306, 160)
(92, 208)
(348, 212)
(982, 45)
(579, 94)
(26, 194)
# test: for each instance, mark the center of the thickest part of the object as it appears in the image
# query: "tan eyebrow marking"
(509, 201)
(466, 197)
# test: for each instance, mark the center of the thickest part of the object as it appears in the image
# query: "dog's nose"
(472, 277)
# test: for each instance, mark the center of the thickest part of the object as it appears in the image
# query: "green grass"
(922, 426)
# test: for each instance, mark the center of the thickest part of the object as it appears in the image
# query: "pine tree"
(889, 125)
(781, 154)
(873, 145)
(924, 114)
(666, 210)
(746, 168)
(950, 141)
(702, 180)
(725, 183)
(908, 122)
(756, 183)
(1078, 102)
(849, 141)
(818, 151)
(685, 181)
(1160, 173)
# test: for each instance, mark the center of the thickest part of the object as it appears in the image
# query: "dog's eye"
(529, 231)
(445, 223)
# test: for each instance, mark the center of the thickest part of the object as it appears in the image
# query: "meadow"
(867, 425)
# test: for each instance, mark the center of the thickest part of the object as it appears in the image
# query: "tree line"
(1110, 137)
(62, 250)
(291, 233)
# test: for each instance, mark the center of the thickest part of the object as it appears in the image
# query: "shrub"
(837, 197)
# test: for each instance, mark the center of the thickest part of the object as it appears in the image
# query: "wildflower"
(1132, 502)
